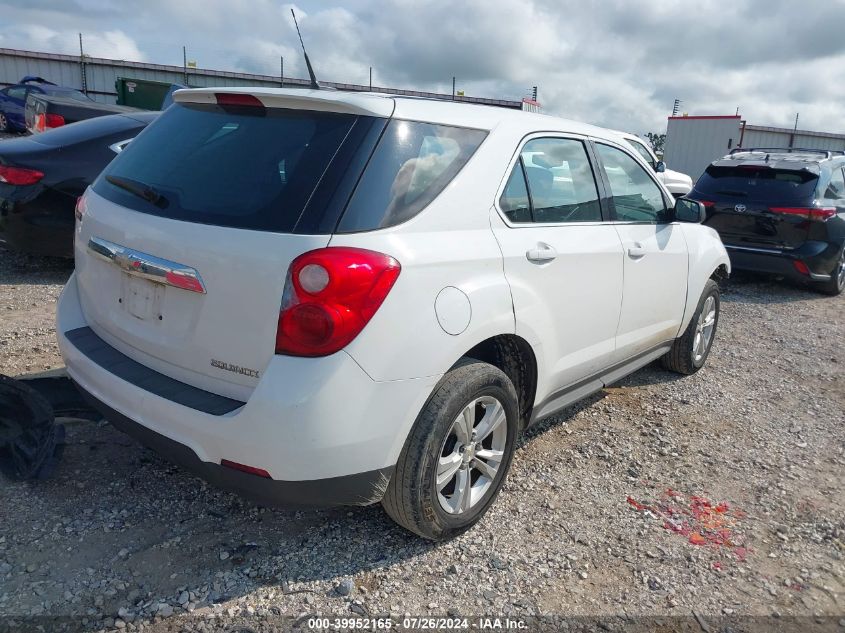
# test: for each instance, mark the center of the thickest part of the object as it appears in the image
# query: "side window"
(561, 184)
(836, 187)
(411, 166)
(636, 197)
(17, 92)
(514, 201)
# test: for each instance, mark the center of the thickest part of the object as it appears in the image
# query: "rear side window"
(412, 164)
(560, 184)
(758, 183)
(249, 168)
(836, 187)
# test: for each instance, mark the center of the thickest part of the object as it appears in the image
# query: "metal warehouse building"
(97, 76)
(693, 142)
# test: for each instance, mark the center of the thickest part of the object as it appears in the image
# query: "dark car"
(780, 211)
(13, 100)
(42, 176)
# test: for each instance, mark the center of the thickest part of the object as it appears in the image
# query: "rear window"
(66, 93)
(757, 183)
(250, 168)
(412, 164)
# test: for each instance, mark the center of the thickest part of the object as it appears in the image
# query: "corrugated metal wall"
(756, 136)
(692, 143)
(101, 75)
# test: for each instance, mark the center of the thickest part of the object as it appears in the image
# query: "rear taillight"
(801, 267)
(79, 209)
(48, 121)
(19, 175)
(330, 295)
(807, 213)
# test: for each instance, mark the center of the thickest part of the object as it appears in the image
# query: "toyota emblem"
(740, 208)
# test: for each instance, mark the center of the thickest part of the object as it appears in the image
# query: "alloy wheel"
(4, 124)
(839, 271)
(704, 329)
(471, 455)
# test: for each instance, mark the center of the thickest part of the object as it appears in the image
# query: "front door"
(655, 254)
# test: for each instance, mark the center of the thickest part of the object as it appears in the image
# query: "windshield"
(250, 168)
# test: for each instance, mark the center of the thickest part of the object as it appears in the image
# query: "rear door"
(748, 204)
(563, 262)
(187, 235)
(655, 254)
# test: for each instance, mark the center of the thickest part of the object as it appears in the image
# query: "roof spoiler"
(827, 153)
(34, 79)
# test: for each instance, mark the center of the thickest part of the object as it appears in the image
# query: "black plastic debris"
(63, 397)
(31, 442)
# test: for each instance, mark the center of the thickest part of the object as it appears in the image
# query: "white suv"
(316, 297)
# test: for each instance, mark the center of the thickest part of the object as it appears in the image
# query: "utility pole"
(794, 131)
(282, 72)
(83, 76)
(371, 78)
(185, 64)
(453, 88)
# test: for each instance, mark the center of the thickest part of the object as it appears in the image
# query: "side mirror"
(687, 210)
(660, 167)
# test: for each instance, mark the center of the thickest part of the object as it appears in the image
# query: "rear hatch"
(752, 203)
(186, 237)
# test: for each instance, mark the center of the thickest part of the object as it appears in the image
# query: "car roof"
(422, 109)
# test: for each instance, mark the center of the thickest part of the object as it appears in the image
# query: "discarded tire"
(29, 437)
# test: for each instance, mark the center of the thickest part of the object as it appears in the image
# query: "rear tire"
(836, 284)
(690, 351)
(448, 476)
(4, 123)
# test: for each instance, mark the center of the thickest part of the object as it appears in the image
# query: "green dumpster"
(141, 93)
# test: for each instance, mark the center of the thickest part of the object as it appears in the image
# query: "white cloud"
(618, 63)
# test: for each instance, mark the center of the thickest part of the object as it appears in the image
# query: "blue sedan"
(13, 100)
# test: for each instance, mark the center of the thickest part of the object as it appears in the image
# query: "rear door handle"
(636, 251)
(541, 253)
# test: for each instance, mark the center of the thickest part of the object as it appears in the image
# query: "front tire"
(458, 453)
(690, 351)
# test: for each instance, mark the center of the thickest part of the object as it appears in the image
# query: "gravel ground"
(718, 494)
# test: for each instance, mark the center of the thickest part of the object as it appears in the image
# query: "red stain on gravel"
(698, 520)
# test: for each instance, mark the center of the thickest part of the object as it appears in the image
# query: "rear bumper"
(358, 489)
(321, 427)
(819, 257)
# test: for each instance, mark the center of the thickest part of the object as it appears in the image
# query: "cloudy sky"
(618, 63)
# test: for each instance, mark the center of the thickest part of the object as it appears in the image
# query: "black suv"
(780, 211)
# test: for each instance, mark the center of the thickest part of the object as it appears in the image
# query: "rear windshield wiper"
(139, 189)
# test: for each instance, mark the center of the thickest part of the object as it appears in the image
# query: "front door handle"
(541, 254)
(636, 251)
